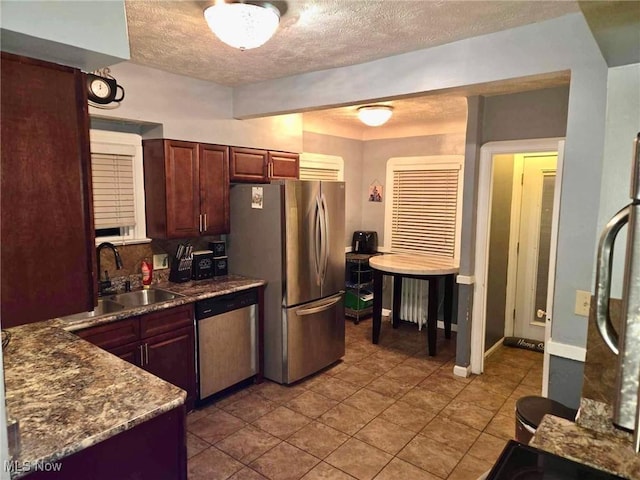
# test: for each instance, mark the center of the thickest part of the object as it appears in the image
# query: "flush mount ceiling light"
(375, 115)
(243, 25)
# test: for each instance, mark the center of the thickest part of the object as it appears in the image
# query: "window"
(118, 187)
(423, 207)
(315, 166)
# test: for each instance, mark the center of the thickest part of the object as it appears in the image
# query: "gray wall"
(519, 116)
(351, 152)
(375, 155)
(498, 248)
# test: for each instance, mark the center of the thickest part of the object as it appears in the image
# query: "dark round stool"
(529, 413)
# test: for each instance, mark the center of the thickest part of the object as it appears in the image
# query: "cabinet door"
(112, 335)
(214, 189)
(284, 165)
(164, 321)
(183, 195)
(171, 356)
(131, 352)
(45, 193)
(248, 165)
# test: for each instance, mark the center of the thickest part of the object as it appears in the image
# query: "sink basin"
(143, 297)
(104, 307)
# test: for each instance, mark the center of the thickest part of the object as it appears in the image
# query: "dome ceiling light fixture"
(375, 115)
(243, 24)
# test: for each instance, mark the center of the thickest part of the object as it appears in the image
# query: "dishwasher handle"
(320, 308)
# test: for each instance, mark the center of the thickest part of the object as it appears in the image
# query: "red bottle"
(147, 273)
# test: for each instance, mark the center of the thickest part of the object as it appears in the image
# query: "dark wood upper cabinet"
(48, 244)
(284, 165)
(186, 188)
(214, 189)
(258, 166)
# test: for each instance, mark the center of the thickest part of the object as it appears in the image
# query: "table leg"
(377, 305)
(432, 315)
(397, 299)
(448, 304)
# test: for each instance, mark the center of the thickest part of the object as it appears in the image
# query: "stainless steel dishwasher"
(227, 329)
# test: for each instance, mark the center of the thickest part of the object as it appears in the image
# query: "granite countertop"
(68, 394)
(591, 440)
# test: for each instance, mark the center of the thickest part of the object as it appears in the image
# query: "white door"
(534, 242)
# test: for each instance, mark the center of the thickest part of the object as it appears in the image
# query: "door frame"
(485, 185)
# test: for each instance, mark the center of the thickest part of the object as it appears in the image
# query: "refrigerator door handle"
(603, 278)
(320, 308)
(327, 235)
(317, 241)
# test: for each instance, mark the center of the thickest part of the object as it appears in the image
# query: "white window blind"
(311, 173)
(424, 205)
(316, 166)
(113, 190)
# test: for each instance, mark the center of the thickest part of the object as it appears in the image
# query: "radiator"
(415, 301)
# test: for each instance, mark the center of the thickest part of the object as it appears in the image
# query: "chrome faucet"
(103, 285)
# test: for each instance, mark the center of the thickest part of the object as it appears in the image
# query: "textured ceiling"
(317, 34)
(321, 34)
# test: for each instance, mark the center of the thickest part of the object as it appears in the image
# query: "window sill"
(121, 242)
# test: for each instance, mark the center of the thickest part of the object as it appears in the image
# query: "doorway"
(527, 204)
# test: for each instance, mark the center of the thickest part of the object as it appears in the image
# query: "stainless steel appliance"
(626, 343)
(364, 241)
(291, 233)
(227, 330)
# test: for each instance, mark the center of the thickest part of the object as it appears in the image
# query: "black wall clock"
(103, 90)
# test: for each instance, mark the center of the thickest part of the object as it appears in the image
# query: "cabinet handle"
(146, 353)
(141, 356)
(200, 220)
(205, 223)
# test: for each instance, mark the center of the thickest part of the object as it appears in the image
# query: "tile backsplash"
(132, 256)
(601, 363)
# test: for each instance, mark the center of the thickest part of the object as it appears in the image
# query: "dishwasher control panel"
(225, 303)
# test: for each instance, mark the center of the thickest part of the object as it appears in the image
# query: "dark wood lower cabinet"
(153, 450)
(163, 343)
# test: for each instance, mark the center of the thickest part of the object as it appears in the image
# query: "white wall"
(623, 124)
(195, 110)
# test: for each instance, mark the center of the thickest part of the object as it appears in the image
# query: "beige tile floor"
(385, 411)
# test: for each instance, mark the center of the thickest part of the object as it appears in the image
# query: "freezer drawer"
(227, 349)
(314, 337)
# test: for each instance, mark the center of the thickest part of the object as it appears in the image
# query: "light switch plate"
(583, 300)
(160, 261)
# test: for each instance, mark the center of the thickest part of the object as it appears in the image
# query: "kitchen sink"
(143, 297)
(104, 307)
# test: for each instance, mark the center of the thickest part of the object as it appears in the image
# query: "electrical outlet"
(583, 301)
(160, 261)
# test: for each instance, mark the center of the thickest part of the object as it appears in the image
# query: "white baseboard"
(493, 348)
(462, 371)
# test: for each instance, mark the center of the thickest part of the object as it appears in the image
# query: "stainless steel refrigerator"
(291, 233)
(625, 342)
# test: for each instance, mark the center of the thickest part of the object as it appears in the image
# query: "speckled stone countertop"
(68, 394)
(191, 291)
(591, 440)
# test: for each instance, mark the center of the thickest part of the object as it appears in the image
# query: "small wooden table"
(423, 267)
